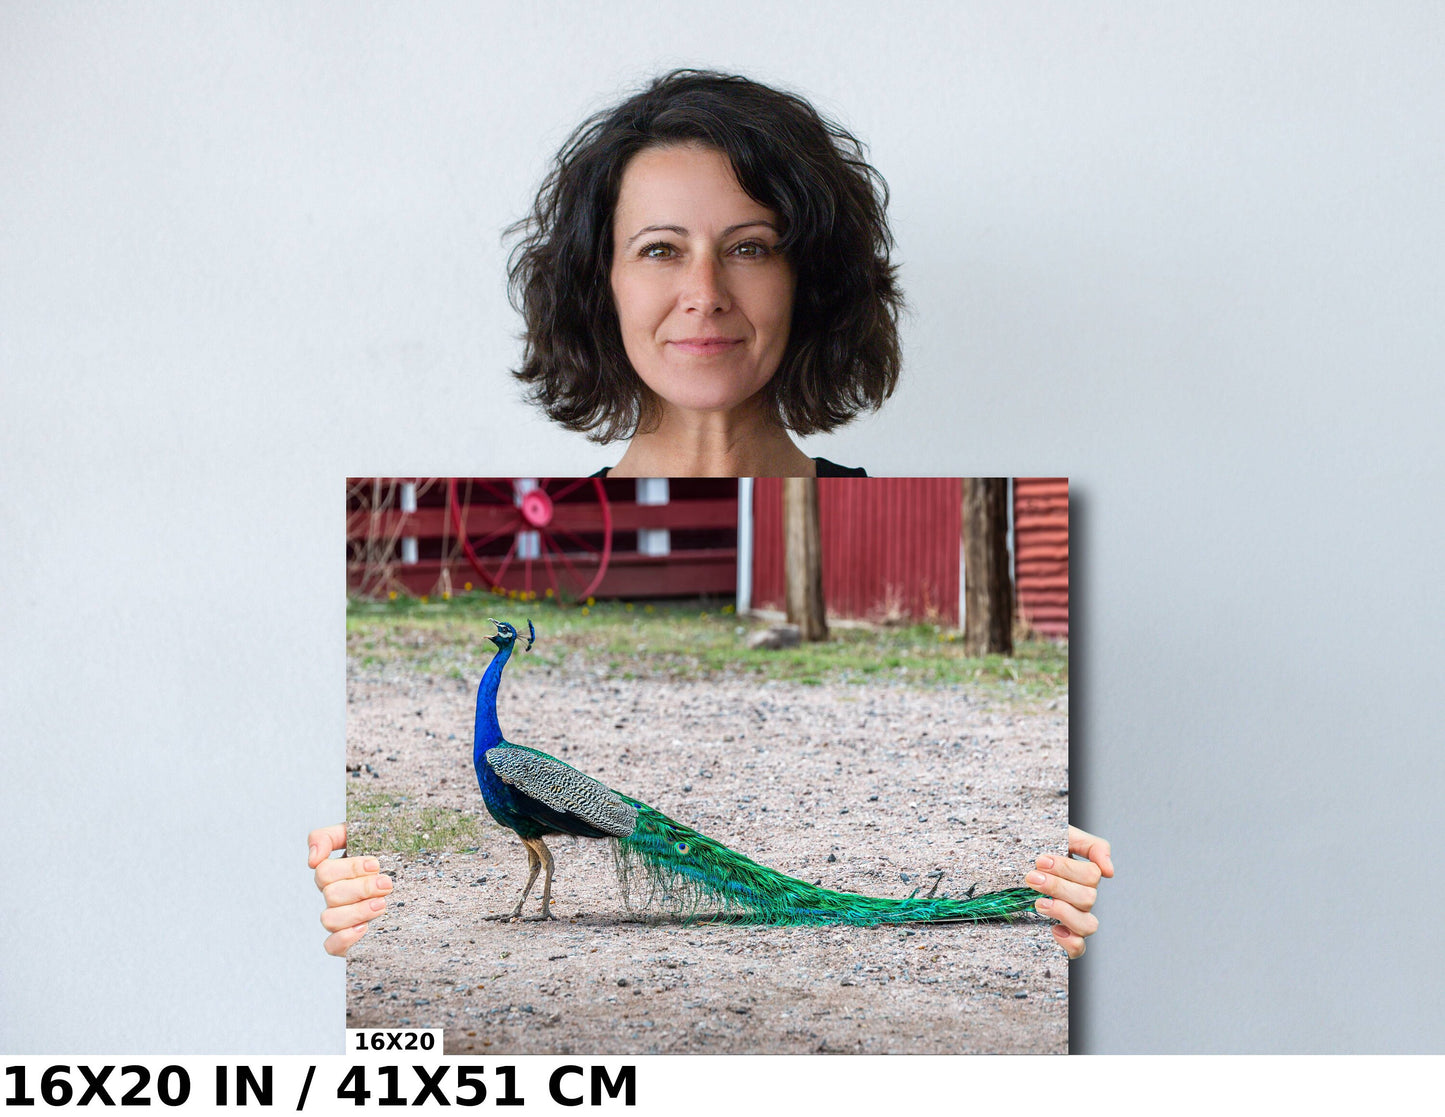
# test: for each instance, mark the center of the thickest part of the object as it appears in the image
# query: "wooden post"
(988, 588)
(803, 557)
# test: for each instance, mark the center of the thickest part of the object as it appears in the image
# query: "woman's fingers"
(1081, 923)
(321, 843)
(349, 915)
(354, 888)
(1073, 881)
(1070, 888)
(349, 890)
(1094, 848)
(1073, 944)
(342, 868)
(1071, 868)
(342, 941)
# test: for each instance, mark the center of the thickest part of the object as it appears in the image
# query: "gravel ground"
(868, 788)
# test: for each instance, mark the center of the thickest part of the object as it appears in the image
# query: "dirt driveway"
(862, 787)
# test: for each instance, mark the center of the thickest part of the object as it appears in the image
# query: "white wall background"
(1189, 255)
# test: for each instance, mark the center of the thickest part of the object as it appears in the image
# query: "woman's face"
(703, 296)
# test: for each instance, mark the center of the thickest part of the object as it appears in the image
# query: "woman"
(705, 273)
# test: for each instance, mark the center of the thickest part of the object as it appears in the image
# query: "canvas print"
(687, 765)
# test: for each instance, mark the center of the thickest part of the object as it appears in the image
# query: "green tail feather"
(685, 870)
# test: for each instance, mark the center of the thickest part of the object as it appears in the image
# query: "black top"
(833, 469)
(824, 466)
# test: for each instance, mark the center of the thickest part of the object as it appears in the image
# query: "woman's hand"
(354, 888)
(1070, 888)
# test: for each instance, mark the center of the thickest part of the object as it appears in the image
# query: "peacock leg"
(534, 863)
(547, 883)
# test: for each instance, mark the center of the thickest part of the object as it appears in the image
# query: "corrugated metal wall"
(890, 546)
(1041, 552)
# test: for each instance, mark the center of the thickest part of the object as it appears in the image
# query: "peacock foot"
(546, 915)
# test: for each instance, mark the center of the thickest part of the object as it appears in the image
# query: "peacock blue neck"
(487, 732)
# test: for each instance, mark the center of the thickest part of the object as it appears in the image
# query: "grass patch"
(686, 639)
(379, 823)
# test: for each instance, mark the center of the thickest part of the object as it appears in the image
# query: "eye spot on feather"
(682, 848)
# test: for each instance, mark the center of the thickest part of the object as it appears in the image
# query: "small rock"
(622, 983)
(832, 857)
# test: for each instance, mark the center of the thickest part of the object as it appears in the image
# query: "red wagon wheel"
(534, 534)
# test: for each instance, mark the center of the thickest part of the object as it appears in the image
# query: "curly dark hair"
(843, 352)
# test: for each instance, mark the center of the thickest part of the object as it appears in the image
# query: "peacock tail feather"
(684, 871)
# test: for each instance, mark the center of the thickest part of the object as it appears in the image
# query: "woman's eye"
(661, 250)
(751, 249)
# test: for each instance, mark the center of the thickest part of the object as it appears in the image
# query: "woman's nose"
(705, 287)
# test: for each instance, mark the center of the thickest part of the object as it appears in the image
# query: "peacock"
(535, 795)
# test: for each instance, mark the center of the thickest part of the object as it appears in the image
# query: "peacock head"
(506, 635)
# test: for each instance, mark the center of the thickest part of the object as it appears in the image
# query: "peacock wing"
(562, 788)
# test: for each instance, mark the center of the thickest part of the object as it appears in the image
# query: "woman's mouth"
(706, 346)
